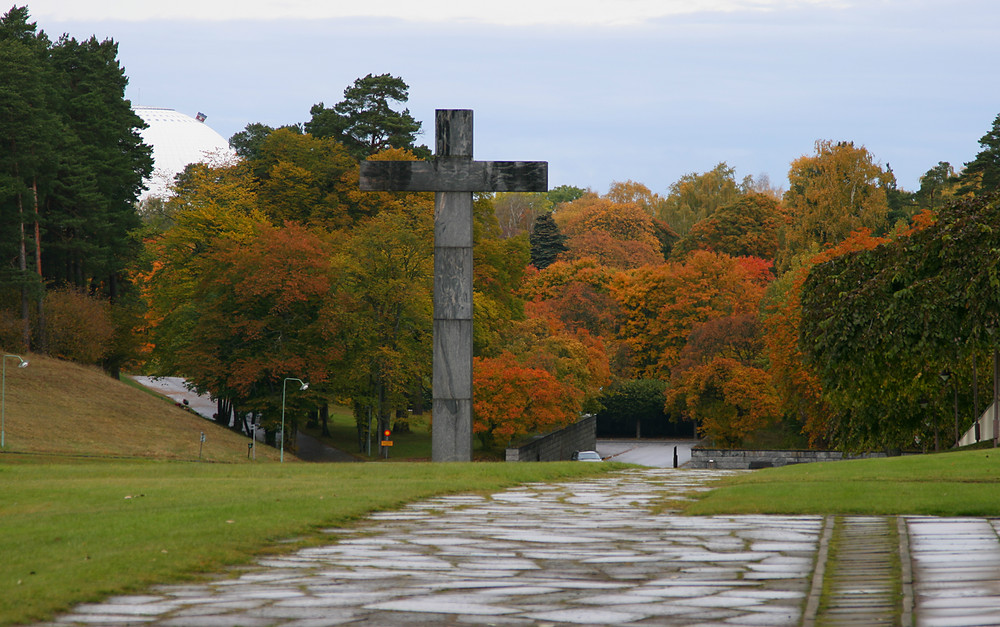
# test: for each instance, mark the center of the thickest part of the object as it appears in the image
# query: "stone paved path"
(863, 574)
(592, 552)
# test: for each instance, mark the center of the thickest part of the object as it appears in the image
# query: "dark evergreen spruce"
(546, 241)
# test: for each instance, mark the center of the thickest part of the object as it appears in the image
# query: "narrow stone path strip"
(862, 574)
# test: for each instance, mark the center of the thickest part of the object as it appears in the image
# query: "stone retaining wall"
(738, 459)
(558, 445)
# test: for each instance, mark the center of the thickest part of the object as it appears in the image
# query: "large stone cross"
(453, 176)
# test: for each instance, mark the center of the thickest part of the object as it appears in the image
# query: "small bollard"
(675, 457)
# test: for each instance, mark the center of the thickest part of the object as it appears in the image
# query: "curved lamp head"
(23, 363)
(305, 386)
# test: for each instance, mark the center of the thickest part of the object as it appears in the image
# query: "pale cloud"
(510, 13)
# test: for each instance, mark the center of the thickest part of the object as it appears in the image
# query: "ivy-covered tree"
(547, 241)
(880, 325)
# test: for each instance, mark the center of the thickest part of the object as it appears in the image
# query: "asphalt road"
(654, 453)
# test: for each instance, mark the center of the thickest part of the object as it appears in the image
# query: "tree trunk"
(23, 266)
(996, 394)
(324, 420)
(975, 396)
(40, 325)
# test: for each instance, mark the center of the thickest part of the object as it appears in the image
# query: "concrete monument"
(453, 176)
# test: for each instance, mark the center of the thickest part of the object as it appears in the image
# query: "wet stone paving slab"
(604, 551)
(594, 552)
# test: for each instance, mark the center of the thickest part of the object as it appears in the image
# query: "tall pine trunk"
(42, 344)
(23, 266)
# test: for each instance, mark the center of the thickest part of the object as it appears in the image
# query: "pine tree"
(546, 241)
(982, 174)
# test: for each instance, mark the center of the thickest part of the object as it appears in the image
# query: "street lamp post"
(3, 397)
(283, 386)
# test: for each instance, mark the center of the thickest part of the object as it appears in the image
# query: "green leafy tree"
(247, 142)
(72, 167)
(880, 325)
(499, 266)
(547, 242)
(387, 266)
(96, 247)
(632, 404)
(697, 196)
(982, 174)
(937, 186)
(565, 193)
(25, 126)
(746, 228)
(306, 179)
(364, 121)
(516, 211)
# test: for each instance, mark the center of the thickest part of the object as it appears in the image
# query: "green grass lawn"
(78, 531)
(965, 483)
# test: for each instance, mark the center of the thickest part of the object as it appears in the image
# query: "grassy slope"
(57, 407)
(77, 526)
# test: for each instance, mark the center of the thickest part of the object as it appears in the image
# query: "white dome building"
(178, 140)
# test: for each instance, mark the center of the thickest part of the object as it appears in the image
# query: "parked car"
(587, 456)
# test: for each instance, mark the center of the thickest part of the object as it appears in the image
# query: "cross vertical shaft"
(451, 431)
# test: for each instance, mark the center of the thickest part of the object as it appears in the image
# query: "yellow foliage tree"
(838, 190)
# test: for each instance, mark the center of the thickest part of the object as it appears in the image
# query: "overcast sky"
(646, 90)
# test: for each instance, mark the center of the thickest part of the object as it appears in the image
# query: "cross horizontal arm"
(454, 175)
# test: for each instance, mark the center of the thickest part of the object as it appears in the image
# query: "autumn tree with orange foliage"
(514, 400)
(577, 294)
(661, 305)
(728, 400)
(721, 380)
(570, 366)
(618, 235)
(265, 312)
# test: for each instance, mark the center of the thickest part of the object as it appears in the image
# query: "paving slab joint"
(905, 573)
(819, 574)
